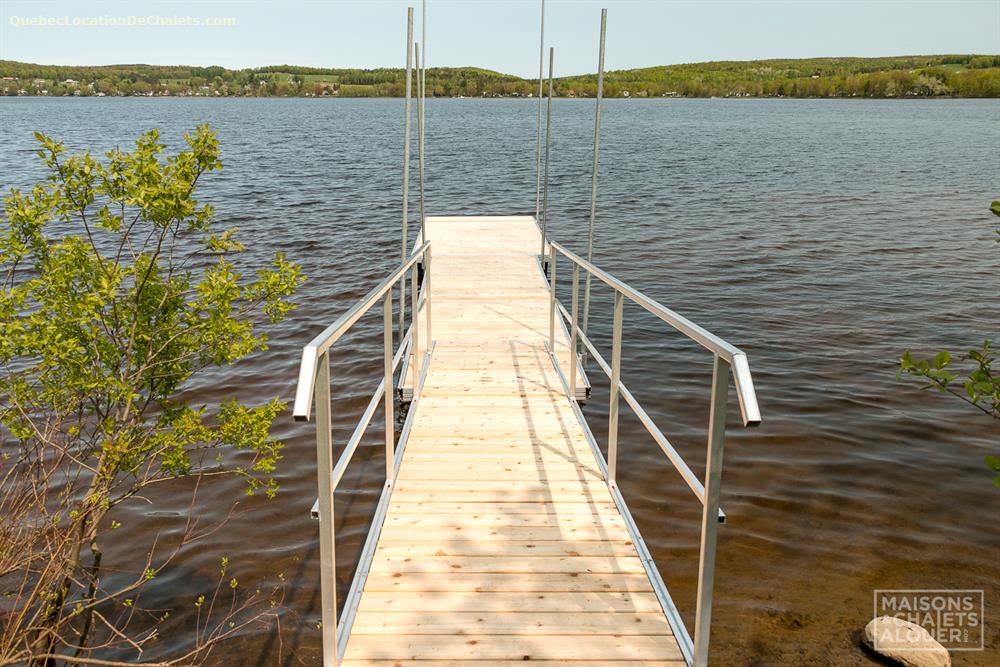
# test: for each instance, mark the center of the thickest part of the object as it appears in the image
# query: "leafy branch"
(979, 387)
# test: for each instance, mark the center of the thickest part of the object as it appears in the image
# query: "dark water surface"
(822, 237)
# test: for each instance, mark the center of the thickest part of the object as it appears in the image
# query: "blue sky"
(500, 35)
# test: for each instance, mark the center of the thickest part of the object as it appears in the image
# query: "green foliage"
(104, 320)
(902, 76)
(116, 292)
(980, 382)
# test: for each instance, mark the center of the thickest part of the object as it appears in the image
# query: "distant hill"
(898, 76)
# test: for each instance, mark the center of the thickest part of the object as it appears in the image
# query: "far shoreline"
(501, 98)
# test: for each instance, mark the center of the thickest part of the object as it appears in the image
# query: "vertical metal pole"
(552, 298)
(420, 114)
(324, 473)
(415, 343)
(616, 385)
(548, 144)
(538, 130)
(595, 167)
(406, 166)
(427, 293)
(390, 419)
(710, 512)
(572, 336)
(423, 40)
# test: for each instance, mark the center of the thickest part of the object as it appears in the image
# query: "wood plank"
(556, 454)
(423, 622)
(515, 509)
(599, 648)
(417, 519)
(552, 469)
(499, 495)
(527, 443)
(428, 453)
(601, 602)
(510, 548)
(522, 582)
(593, 486)
(523, 405)
(505, 401)
(472, 531)
(497, 564)
(437, 427)
(529, 472)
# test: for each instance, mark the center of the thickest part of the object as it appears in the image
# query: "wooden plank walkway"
(502, 542)
(488, 287)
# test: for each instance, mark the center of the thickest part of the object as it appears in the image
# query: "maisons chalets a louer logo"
(954, 618)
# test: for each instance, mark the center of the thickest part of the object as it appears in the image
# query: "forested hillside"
(904, 76)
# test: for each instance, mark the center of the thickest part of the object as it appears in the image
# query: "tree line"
(902, 76)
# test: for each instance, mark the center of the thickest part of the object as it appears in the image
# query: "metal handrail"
(749, 409)
(322, 342)
(675, 458)
(314, 385)
(727, 359)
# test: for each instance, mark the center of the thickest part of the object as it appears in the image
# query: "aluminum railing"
(727, 358)
(314, 386)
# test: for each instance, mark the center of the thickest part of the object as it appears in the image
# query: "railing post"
(552, 298)
(594, 170)
(415, 341)
(406, 162)
(538, 130)
(710, 512)
(616, 382)
(427, 292)
(421, 103)
(548, 147)
(390, 419)
(324, 473)
(572, 335)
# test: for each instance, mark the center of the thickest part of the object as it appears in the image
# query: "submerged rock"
(904, 642)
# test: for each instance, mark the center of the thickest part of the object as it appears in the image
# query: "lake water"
(822, 237)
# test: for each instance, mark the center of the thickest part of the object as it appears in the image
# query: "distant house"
(69, 82)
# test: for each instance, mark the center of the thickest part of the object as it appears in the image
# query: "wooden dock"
(501, 542)
(501, 535)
